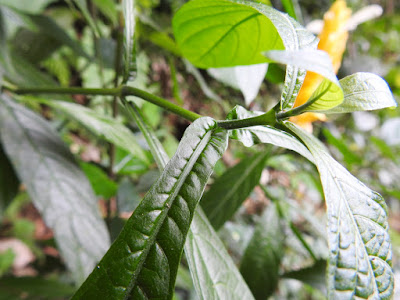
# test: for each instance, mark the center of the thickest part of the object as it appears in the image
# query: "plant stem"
(269, 118)
(265, 119)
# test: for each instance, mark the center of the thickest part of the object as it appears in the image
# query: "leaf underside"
(142, 263)
(360, 255)
(58, 188)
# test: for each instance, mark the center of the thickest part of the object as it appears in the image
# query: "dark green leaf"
(364, 91)
(34, 288)
(360, 255)
(102, 126)
(58, 188)
(101, 184)
(313, 276)
(214, 33)
(8, 182)
(229, 191)
(261, 261)
(265, 134)
(214, 274)
(81, 4)
(143, 261)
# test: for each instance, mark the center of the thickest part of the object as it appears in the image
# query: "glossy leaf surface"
(360, 255)
(143, 261)
(229, 191)
(58, 188)
(260, 264)
(128, 9)
(329, 92)
(265, 134)
(214, 33)
(214, 274)
(364, 91)
(102, 126)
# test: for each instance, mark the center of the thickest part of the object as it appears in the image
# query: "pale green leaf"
(360, 255)
(128, 9)
(58, 188)
(102, 126)
(214, 33)
(364, 91)
(329, 93)
(214, 274)
(247, 79)
(27, 6)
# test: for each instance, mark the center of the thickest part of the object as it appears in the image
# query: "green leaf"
(128, 8)
(264, 134)
(9, 182)
(102, 126)
(58, 188)
(34, 288)
(229, 191)
(360, 255)
(215, 33)
(260, 264)
(200, 232)
(247, 79)
(101, 184)
(27, 6)
(81, 4)
(329, 94)
(214, 274)
(313, 275)
(108, 8)
(7, 258)
(143, 261)
(364, 91)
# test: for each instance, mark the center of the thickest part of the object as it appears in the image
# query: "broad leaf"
(265, 134)
(313, 275)
(102, 185)
(294, 37)
(9, 182)
(199, 234)
(27, 6)
(329, 94)
(128, 8)
(214, 274)
(247, 79)
(58, 188)
(260, 264)
(364, 91)
(142, 263)
(229, 191)
(102, 126)
(215, 33)
(360, 255)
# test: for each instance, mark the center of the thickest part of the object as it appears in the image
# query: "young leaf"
(102, 185)
(329, 94)
(247, 79)
(230, 190)
(128, 9)
(265, 134)
(215, 33)
(261, 261)
(100, 125)
(360, 255)
(364, 91)
(56, 185)
(214, 274)
(8, 182)
(144, 259)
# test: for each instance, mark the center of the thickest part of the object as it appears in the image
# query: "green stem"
(268, 118)
(265, 119)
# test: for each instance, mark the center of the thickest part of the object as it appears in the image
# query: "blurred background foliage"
(73, 43)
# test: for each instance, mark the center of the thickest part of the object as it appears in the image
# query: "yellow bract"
(333, 38)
